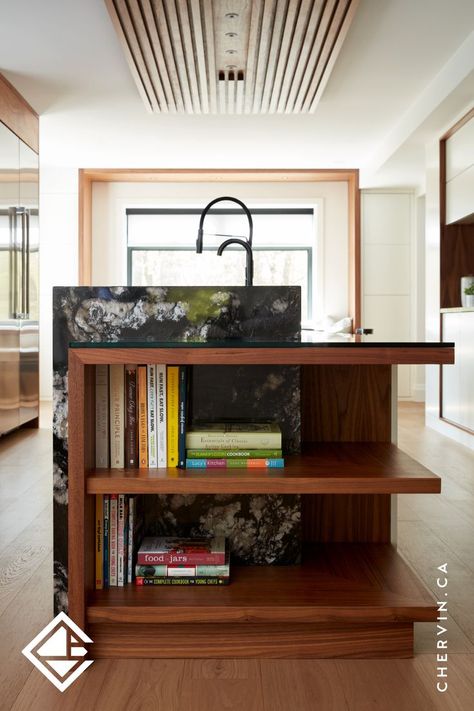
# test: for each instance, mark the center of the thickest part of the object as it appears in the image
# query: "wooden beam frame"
(17, 115)
(351, 177)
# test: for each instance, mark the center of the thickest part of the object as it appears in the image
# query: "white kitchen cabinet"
(458, 380)
(460, 175)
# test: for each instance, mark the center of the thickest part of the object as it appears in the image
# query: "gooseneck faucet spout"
(246, 243)
(249, 257)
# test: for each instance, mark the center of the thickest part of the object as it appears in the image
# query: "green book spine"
(238, 453)
(167, 571)
(182, 581)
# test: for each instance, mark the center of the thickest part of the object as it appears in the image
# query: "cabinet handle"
(27, 271)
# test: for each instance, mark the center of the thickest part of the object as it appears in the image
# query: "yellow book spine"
(99, 541)
(172, 412)
(142, 418)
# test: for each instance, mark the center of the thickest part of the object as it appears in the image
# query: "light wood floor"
(433, 529)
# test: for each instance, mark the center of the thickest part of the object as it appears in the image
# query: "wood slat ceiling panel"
(231, 56)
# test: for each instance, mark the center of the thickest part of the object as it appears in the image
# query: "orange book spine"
(142, 417)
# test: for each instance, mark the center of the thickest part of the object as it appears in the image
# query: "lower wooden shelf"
(362, 597)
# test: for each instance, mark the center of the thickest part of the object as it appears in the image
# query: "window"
(161, 249)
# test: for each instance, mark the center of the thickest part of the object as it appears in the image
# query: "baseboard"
(418, 393)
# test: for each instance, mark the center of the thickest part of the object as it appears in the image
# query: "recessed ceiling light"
(231, 51)
(231, 34)
(231, 15)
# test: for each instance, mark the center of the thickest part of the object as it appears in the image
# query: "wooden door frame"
(87, 176)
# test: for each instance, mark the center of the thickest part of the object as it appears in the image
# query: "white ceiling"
(405, 69)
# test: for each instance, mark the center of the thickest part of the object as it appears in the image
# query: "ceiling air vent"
(231, 56)
(230, 90)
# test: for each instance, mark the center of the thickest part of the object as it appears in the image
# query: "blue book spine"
(182, 416)
(196, 463)
(275, 463)
(106, 540)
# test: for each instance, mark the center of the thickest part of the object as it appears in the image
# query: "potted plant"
(469, 296)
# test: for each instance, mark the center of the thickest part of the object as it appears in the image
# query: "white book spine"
(101, 416)
(121, 540)
(113, 540)
(117, 416)
(152, 435)
(131, 525)
(161, 402)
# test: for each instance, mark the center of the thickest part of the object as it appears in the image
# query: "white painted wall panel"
(388, 273)
(460, 196)
(458, 379)
(389, 316)
(460, 150)
(386, 269)
(386, 218)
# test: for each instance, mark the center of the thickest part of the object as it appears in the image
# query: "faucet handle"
(199, 241)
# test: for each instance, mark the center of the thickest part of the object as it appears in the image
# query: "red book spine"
(200, 558)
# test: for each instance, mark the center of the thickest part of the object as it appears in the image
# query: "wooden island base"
(345, 600)
(353, 596)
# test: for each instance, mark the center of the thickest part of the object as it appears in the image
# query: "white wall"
(389, 274)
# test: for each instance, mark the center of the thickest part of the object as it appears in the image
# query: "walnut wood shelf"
(348, 582)
(310, 354)
(326, 468)
(344, 600)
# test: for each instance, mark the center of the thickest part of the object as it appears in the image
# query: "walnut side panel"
(346, 403)
(89, 463)
(346, 518)
(78, 537)
(264, 641)
(456, 260)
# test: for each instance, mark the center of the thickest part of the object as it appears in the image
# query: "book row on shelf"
(141, 421)
(123, 555)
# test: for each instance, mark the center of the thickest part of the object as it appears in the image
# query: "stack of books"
(234, 445)
(183, 561)
(118, 522)
(140, 415)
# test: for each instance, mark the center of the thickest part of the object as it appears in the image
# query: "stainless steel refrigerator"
(19, 276)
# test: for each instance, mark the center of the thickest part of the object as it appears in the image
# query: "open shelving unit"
(352, 596)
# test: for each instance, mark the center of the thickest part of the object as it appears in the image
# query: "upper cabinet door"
(460, 175)
(9, 202)
(29, 202)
